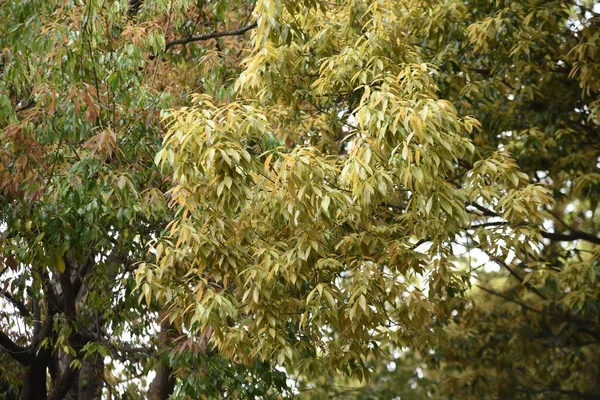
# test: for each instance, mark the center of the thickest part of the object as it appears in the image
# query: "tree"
(415, 175)
(82, 85)
(384, 199)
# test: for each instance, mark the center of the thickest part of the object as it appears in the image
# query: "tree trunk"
(34, 387)
(164, 383)
(91, 378)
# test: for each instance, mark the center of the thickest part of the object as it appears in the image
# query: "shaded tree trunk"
(164, 382)
(91, 378)
(34, 387)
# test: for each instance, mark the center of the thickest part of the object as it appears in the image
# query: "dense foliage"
(384, 198)
(82, 86)
(415, 175)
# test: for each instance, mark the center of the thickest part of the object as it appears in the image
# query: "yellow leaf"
(60, 263)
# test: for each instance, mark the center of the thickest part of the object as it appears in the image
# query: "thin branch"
(570, 393)
(420, 242)
(510, 270)
(23, 310)
(24, 107)
(582, 323)
(213, 35)
(557, 237)
(517, 277)
(134, 7)
(525, 306)
(488, 224)
(486, 212)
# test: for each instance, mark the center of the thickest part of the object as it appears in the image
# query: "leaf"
(60, 264)
(362, 300)
(325, 203)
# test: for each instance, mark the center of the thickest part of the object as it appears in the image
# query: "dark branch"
(213, 35)
(484, 211)
(488, 224)
(570, 237)
(23, 310)
(517, 277)
(134, 7)
(525, 306)
(570, 393)
(51, 296)
(18, 353)
(581, 322)
(44, 332)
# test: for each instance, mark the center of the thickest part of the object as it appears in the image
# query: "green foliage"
(82, 86)
(220, 377)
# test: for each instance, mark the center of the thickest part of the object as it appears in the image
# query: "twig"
(525, 306)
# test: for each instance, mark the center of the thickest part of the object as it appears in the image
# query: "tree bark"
(91, 378)
(34, 387)
(164, 382)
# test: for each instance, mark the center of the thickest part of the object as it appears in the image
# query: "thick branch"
(68, 295)
(18, 353)
(164, 382)
(569, 237)
(44, 332)
(213, 35)
(52, 298)
(82, 273)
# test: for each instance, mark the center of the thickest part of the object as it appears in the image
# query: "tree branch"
(484, 211)
(517, 277)
(582, 323)
(18, 353)
(134, 7)
(570, 393)
(213, 35)
(23, 310)
(525, 306)
(44, 332)
(570, 237)
(488, 224)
